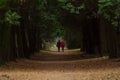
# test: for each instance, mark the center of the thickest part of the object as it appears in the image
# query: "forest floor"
(62, 66)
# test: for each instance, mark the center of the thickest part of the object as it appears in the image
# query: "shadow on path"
(68, 55)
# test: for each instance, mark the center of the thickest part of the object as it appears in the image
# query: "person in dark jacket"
(58, 45)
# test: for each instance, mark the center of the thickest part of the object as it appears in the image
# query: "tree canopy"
(24, 24)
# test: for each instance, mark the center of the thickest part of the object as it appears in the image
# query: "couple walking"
(60, 44)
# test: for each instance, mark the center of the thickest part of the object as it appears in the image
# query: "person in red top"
(62, 45)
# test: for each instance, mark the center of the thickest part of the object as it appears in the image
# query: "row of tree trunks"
(90, 42)
(112, 41)
(19, 41)
(1, 48)
(108, 39)
(103, 39)
(99, 37)
(1, 55)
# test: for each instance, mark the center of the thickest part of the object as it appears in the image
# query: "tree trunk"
(102, 30)
(112, 41)
(91, 36)
(108, 39)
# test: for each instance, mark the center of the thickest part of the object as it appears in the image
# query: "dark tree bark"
(91, 43)
(112, 41)
(108, 39)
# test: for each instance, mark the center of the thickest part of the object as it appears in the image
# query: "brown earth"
(68, 65)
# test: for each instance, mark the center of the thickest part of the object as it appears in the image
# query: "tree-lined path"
(30, 26)
(99, 68)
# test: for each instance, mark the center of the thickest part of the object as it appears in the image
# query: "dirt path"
(79, 69)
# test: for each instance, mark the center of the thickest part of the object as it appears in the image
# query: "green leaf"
(12, 18)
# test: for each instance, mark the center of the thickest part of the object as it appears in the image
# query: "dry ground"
(79, 69)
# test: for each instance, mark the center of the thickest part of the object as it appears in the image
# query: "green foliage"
(49, 26)
(67, 5)
(3, 3)
(72, 39)
(47, 18)
(42, 5)
(12, 18)
(110, 10)
(38, 4)
(63, 0)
